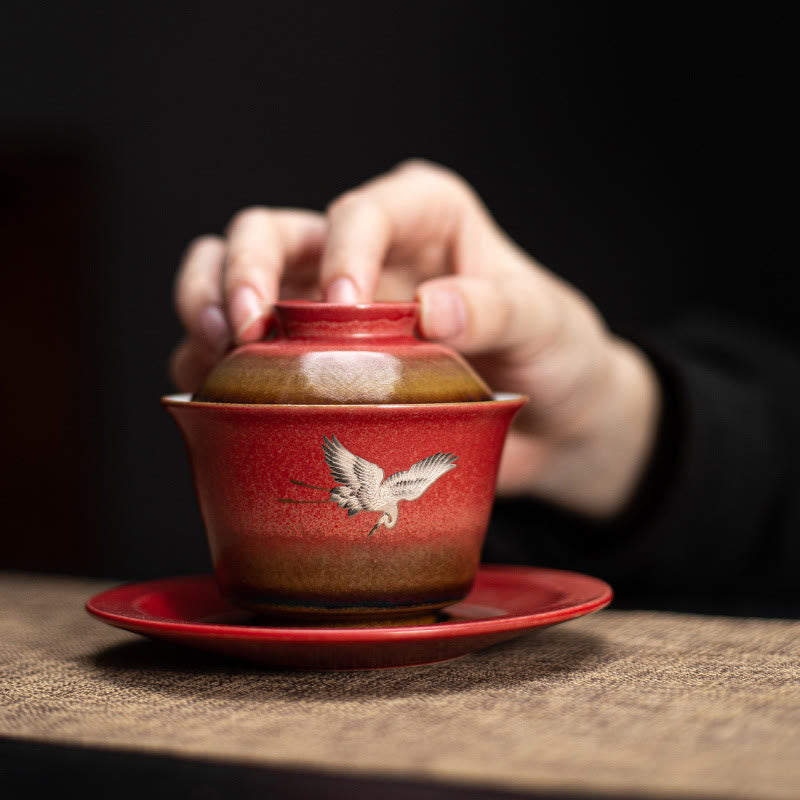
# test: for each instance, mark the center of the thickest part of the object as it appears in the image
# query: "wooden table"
(618, 704)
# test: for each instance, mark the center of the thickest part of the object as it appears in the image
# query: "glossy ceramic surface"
(505, 602)
(328, 354)
(345, 514)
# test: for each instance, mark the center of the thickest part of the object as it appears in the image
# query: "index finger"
(262, 243)
(398, 214)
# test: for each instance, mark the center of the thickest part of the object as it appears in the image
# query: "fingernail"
(214, 328)
(342, 290)
(442, 314)
(248, 316)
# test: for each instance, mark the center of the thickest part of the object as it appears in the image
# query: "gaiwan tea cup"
(345, 468)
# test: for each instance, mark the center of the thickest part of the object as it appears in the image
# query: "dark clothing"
(716, 522)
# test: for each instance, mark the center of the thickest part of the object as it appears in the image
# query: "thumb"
(516, 315)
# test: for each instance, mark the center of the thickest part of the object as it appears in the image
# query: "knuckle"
(194, 282)
(349, 202)
(425, 172)
(504, 317)
(547, 332)
(194, 257)
(428, 169)
(249, 216)
(417, 165)
(360, 205)
(202, 242)
(181, 289)
(420, 169)
(514, 317)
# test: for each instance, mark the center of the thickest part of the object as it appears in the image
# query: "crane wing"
(360, 478)
(411, 483)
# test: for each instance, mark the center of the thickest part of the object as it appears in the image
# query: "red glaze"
(287, 549)
(505, 602)
(324, 353)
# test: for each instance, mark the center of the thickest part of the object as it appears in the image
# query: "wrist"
(596, 472)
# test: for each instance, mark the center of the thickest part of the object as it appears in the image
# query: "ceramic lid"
(325, 353)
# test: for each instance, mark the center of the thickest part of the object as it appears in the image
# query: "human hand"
(420, 231)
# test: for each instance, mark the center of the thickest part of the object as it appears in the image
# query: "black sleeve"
(715, 524)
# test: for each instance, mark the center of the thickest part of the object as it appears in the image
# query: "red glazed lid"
(329, 354)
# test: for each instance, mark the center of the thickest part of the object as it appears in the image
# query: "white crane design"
(364, 489)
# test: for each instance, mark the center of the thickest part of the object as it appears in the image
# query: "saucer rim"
(551, 613)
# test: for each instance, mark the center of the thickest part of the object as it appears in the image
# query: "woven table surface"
(641, 704)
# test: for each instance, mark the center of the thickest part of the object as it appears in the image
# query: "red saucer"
(505, 602)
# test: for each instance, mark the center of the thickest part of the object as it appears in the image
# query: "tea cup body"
(351, 514)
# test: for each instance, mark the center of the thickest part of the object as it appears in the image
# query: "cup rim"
(184, 400)
(321, 305)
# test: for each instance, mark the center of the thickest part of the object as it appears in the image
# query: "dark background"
(645, 152)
